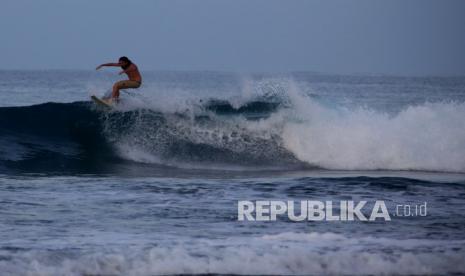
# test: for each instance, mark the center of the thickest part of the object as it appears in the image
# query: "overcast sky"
(402, 37)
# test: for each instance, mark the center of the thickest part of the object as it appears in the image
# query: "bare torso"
(134, 74)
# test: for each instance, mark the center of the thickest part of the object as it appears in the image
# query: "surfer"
(130, 69)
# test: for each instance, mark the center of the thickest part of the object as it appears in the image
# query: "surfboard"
(101, 102)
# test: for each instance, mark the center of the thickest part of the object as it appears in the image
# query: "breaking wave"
(285, 130)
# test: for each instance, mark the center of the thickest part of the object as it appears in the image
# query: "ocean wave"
(428, 137)
(78, 138)
(287, 130)
(280, 254)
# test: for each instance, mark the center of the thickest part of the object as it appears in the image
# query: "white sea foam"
(285, 253)
(424, 137)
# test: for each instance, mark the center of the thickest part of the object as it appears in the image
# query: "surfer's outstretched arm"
(108, 64)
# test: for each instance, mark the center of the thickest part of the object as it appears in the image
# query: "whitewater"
(151, 187)
(274, 121)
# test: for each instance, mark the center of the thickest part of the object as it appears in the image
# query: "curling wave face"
(77, 138)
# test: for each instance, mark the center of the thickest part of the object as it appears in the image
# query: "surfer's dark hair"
(128, 62)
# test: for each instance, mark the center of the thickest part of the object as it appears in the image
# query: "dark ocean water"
(153, 186)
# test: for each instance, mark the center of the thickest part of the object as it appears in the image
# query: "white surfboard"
(101, 102)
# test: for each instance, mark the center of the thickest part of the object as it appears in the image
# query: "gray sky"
(403, 37)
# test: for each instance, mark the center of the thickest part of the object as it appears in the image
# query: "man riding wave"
(131, 70)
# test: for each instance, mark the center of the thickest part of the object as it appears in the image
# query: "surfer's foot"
(109, 100)
(113, 100)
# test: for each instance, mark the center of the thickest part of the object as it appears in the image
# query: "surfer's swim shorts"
(128, 84)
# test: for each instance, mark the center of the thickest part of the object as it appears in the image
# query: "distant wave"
(296, 132)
